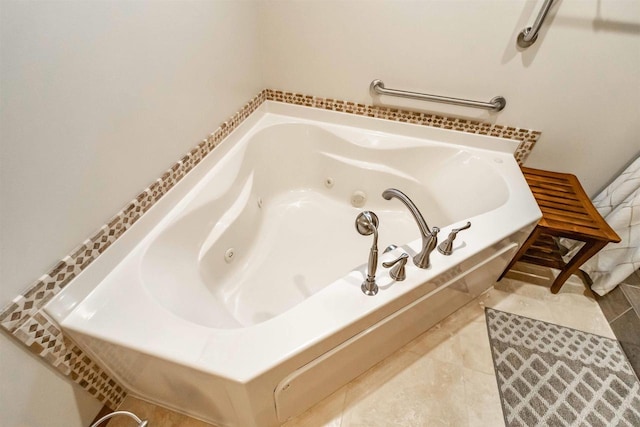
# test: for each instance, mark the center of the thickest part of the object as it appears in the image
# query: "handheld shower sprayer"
(367, 224)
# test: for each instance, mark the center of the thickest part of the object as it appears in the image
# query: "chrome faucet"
(429, 236)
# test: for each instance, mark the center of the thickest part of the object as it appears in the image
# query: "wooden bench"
(566, 212)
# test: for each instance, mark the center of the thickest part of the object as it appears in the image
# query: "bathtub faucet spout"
(429, 236)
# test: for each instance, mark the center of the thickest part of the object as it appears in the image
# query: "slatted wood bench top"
(566, 207)
(567, 212)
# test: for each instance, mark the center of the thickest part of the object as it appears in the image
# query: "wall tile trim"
(24, 318)
(527, 137)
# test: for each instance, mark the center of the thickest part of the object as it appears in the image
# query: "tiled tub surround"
(24, 318)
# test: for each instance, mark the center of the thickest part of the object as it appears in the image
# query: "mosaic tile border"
(23, 317)
(527, 137)
(26, 321)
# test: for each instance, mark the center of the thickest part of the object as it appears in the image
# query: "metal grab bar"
(496, 104)
(529, 35)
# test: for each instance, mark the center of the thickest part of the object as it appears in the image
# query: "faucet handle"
(397, 272)
(390, 248)
(446, 247)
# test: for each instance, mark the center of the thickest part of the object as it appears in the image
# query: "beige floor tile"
(584, 319)
(525, 300)
(471, 312)
(445, 377)
(327, 413)
(573, 290)
(386, 371)
(573, 306)
(475, 347)
(156, 415)
(524, 289)
(440, 342)
(483, 399)
(424, 392)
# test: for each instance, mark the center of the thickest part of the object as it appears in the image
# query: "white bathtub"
(259, 335)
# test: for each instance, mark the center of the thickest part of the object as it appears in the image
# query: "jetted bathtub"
(236, 299)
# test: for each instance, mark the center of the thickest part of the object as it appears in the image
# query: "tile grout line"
(633, 304)
(618, 316)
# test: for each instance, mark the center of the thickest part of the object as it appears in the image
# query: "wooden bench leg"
(589, 249)
(525, 246)
(586, 279)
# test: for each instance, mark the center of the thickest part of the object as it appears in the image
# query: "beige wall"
(579, 84)
(98, 99)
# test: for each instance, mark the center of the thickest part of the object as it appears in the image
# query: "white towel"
(619, 204)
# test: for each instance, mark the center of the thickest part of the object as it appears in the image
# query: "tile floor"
(621, 307)
(444, 377)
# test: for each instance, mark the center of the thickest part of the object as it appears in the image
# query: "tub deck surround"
(215, 337)
(527, 138)
(24, 318)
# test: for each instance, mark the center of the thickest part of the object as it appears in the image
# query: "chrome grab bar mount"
(529, 35)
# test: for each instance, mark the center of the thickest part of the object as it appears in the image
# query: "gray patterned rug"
(549, 375)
